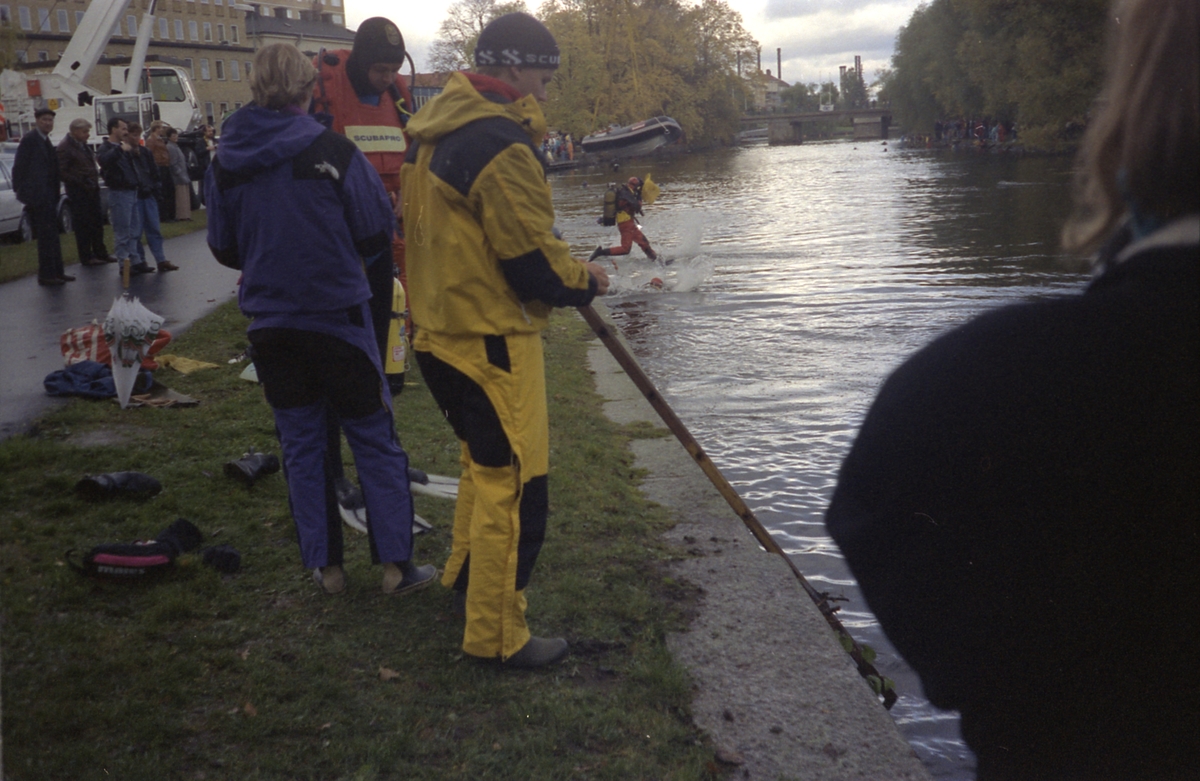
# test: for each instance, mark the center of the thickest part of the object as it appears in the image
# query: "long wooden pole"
(677, 427)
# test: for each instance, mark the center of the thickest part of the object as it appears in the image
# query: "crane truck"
(141, 94)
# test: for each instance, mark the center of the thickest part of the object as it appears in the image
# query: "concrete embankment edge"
(773, 687)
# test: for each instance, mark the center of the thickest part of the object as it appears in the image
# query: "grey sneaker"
(403, 577)
(331, 579)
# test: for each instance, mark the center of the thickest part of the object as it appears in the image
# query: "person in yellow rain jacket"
(484, 271)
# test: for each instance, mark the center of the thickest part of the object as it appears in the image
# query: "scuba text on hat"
(516, 40)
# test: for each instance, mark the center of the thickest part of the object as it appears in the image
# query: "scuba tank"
(397, 343)
(610, 206)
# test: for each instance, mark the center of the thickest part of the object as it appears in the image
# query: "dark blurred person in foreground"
(1020, 506)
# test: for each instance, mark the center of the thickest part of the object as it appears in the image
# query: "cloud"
(829, 33)
(790, 9)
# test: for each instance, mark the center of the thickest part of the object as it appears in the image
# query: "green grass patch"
(20, 260)
(258, 675)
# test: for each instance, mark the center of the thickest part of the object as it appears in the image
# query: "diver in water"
(628, 205)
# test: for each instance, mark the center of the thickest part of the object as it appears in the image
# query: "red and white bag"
(86, 343)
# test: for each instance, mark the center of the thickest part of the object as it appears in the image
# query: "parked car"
(13, 220)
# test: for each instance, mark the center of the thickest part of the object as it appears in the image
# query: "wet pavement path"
(32, 318)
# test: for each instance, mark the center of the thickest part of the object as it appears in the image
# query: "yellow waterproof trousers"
(492, 390)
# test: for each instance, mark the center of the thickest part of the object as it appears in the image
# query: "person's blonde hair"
(1143, 146)
(282, 76)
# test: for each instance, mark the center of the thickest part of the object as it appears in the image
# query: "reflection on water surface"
(802, 277)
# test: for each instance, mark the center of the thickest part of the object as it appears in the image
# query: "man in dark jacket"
(120, 174)
(149, 189)
(35, 177)
(77, 168)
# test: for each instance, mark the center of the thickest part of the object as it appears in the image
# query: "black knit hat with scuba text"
(519, 40)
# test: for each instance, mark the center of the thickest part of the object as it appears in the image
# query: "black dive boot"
(252, 466)
(596, 253)
(130, 485)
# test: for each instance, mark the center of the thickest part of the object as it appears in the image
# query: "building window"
(164, 30)
(339, 19)
(43, 20)
(78, 18)
(5, 14)
(191, 66)
(337, 3)
(235, 72)
(22, 55)
(131, 23)
(220, 70)
(204, 74)
(43, 56)
(208, 114)
(23, 15)
(194, 31)
(203, 2)
(208, 32)
(220, 33)
(247, 70)
(234, 32)
(224, 109)
(179, 29)
(64, 21)
(237, 105)
(218, 2)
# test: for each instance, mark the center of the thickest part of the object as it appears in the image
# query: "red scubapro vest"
(378, 131)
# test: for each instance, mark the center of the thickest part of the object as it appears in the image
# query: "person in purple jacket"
(305, 288)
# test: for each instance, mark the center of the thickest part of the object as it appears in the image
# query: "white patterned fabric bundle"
(129, 330)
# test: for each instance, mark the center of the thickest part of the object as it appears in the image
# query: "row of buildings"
(215, 40)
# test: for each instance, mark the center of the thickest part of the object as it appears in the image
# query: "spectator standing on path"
(79, 174)
(35, 179)
(305, 289)
(119, 168)
(485, 270)
(156, 142)
(179, 177)
(204, 156)
(1020, 505)
(149, 186)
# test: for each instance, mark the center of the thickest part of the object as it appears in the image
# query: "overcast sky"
(816, 36)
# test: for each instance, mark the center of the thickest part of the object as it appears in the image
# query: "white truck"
(143, 94)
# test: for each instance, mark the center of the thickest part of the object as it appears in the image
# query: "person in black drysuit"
(1020, 507)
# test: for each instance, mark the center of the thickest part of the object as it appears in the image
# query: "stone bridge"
(789, 128)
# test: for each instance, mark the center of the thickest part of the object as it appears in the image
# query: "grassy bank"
(260, 676)
(20, 260)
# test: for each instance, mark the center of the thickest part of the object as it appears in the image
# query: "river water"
(801, 277)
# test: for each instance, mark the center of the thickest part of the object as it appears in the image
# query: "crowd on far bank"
(982, 132)
(558, 147)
